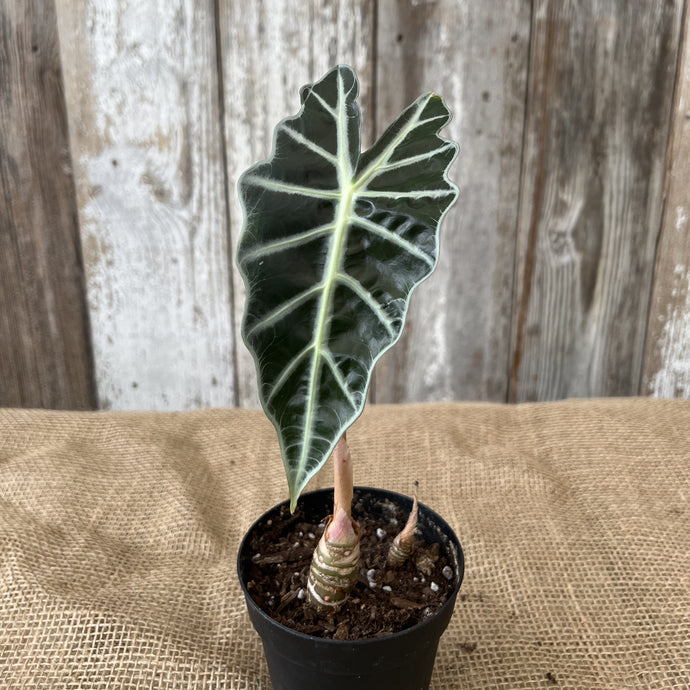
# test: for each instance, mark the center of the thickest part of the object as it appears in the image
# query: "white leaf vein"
(390, 236)
(324, 104)
(289, 370)
(411, 160)
(426, 121)
(310, 144)
(339, 377)
(356, 287)
(273, 185)
(279, 313)
(412, 194)
(373, 168)
(288, 243)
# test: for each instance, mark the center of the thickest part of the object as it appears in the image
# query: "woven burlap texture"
(119, 533)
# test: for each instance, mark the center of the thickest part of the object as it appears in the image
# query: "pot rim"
(445, 529)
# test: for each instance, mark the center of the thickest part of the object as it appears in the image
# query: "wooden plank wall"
(666, 372)
(598, 112)
(141, 82)
(45, 353)
(565, 265)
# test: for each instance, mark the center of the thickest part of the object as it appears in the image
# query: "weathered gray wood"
(599, 104)
(143, 98)
(269, 51)
(456, 342)
(45, 357)
(142, 91)
(667, 353)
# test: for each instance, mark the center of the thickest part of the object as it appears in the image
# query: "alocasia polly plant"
(334, 242)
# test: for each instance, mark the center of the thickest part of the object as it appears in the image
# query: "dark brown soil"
(385, 600)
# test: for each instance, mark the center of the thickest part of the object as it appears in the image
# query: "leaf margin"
(297, 485)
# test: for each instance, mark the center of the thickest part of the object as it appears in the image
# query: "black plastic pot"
(403, 660)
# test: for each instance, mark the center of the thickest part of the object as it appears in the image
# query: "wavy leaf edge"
(352, 183)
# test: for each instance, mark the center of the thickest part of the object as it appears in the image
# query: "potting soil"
(385, 599)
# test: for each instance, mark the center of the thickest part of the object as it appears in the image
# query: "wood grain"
(667, 353)
(141, 83)
(45, 357)
(270, 49)
(562, 272)
(456, 342)
(599, 104)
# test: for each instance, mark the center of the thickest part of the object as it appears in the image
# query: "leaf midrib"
(335, 258)
(351, 189)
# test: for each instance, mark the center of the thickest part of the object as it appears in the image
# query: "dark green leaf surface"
(332, 246)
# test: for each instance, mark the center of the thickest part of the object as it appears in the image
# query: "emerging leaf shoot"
(403, 544)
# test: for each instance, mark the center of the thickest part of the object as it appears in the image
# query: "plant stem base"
(402, 660)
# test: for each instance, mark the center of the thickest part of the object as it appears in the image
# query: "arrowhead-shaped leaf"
(334, 242)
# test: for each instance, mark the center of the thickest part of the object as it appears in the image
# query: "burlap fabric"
(119, 532)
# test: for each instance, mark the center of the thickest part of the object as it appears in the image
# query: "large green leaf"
(334, 242)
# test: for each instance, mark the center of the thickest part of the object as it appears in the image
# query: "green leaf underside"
(332, 246)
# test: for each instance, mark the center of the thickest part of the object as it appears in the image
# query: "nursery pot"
(402, 660)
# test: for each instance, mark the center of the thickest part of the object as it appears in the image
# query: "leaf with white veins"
(333, 244)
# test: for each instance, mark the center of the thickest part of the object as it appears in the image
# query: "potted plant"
(334, 242)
